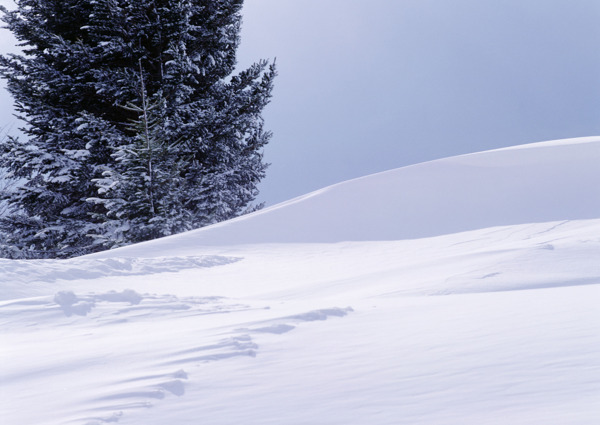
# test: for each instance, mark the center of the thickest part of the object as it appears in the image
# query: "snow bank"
(541, 182)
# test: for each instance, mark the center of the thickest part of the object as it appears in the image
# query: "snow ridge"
(49, 271)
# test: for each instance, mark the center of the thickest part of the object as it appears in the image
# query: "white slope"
(459, 291)
(534, 183)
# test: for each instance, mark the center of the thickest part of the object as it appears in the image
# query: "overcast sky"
(369, 85)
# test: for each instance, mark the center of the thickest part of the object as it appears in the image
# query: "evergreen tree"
(135, 125)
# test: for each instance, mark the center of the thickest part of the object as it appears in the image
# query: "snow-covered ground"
(459, 291)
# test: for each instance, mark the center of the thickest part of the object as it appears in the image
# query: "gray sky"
(369, 85)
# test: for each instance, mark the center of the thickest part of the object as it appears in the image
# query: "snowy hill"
(525, 184)
(458, 291)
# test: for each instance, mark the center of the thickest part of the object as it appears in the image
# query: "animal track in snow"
(161, 374)
(280, 326)
(109, 308)
(234, 346)
(153, 387)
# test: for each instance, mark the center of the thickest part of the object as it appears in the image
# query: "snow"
(551, 182)
(458, 291)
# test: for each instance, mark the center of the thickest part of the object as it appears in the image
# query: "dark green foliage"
(135, 126)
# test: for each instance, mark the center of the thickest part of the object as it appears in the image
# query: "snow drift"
(458, 291)
(540, 182)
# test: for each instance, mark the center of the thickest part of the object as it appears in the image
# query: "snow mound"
(496, 324)
(534, 183)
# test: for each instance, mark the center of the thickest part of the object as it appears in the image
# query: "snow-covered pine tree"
(140, 193)
(77, 88)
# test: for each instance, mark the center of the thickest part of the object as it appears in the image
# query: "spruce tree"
(136, 126)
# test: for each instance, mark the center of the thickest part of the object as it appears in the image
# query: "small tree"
(140, 193)
(107, 163)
